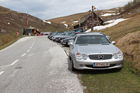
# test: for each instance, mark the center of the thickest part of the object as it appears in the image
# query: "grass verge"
(111, 81)
(9, 43)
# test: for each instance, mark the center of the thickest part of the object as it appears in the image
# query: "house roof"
(84, 18)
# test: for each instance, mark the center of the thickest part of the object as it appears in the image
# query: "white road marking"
(5, 66)
(30, 54)
(1, 72)
(32, 45)
(14, 62)
(28, 50)
(23, 55)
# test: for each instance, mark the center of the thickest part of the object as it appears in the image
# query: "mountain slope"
(68, 19)
(74, 19)
(127, 11)
(12, 21)
(128, 39)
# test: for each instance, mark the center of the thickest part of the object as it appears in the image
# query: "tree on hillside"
(131, 4)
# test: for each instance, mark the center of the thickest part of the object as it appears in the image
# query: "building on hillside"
(89, 21)
(31, 32)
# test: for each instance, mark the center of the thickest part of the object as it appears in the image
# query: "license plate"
(101, 64)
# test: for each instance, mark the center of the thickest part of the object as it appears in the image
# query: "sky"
(47, 9)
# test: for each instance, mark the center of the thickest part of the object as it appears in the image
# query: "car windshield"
(92, 39)
(59, 33)
(69, 34)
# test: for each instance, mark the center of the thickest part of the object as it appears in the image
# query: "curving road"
(36, 65)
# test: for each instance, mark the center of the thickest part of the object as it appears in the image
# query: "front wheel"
(71, 65)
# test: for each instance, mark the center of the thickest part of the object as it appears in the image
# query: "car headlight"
(80, 56)
(118, 55)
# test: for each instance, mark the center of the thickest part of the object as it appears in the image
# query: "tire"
(71, 66)
(67, 44)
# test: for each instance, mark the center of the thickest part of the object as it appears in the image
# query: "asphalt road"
(36, 65)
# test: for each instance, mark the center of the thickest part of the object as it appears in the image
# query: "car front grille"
(100, 57)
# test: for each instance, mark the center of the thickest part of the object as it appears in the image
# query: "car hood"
(96, 49)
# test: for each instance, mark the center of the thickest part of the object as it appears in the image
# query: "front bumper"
(59, 39)
(63, 42)
(113, 64)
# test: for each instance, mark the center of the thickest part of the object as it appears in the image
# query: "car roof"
(90, 33)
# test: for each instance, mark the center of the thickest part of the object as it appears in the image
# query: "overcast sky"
(46, 9)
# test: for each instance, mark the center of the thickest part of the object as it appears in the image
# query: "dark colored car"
(66, 41)
(64, 36)
(51, 36)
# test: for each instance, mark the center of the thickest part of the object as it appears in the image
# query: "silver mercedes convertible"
(94, 51)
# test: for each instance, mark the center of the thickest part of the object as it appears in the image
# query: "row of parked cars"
(64, 37)
(90, 50)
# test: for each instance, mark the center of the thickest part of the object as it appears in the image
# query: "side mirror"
(71, 42)
(113, 42)
(108, 37)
